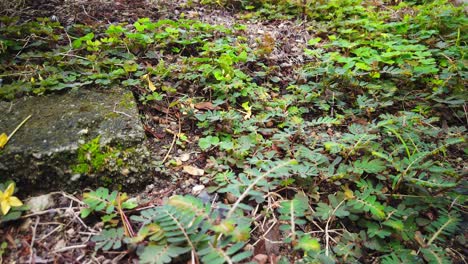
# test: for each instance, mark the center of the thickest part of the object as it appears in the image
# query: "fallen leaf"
(193, 170)
(206, 106)
(150, 83)
(3, 140)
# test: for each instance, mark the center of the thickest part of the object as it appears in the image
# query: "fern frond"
(445, 225)
(368, 203)
(258, 178)
(191, 204)
(218, 255)
(325, 120)
(109, 239)
(435, 254)
(154, 254)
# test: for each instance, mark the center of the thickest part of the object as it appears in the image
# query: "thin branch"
(34, 228)
(173, 143)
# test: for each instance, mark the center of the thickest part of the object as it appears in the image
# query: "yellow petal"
(9, 190)
(14, 201)
(3, 140)
(5, 206)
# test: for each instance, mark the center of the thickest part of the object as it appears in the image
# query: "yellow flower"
(7, 200)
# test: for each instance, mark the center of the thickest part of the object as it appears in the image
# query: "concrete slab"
(79, 139)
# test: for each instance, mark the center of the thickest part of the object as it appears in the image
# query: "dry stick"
(465, 109)
(327, 237)
(53, 210)
(173, 143)
(24, 46)
(50, 233)
(32, 240)
(68, 248)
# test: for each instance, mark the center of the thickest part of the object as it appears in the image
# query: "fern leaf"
(445, 225)
(216, 255)
(325, 120)
(369, 166)
(109, 239)
(369, 203)
(435, 254)
(155, 254)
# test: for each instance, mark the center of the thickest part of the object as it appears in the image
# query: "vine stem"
(252, 185)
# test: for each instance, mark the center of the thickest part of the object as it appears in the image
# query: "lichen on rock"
(83, 138)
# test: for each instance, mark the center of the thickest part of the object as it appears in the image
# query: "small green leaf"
(307, 243)
(207, 142)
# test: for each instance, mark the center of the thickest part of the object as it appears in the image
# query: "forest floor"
(277, 84)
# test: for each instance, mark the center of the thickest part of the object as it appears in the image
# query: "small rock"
(197, 189)
(193, 170)
(184, 157)
(40, 203)
(71, 232)
(125, 171)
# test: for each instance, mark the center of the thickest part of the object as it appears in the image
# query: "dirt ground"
(58, 234)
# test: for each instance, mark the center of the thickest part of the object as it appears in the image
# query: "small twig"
(465, 109)
(53, 210)
(31, 254)
(173, 143)
(69, 248)
(327, 236)
(73, 55)
(126, 223)
(72, 198)
(24, 46)
(51, 232)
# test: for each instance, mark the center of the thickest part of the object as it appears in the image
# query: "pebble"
(184, 157)
(40, 203)
(197, 189)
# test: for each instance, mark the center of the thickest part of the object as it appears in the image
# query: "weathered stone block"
(78, 139)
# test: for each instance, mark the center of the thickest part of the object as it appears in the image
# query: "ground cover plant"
(354, 154)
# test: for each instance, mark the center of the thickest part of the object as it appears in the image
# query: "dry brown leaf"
(193, 170)
(150, 83)
(206, 106)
